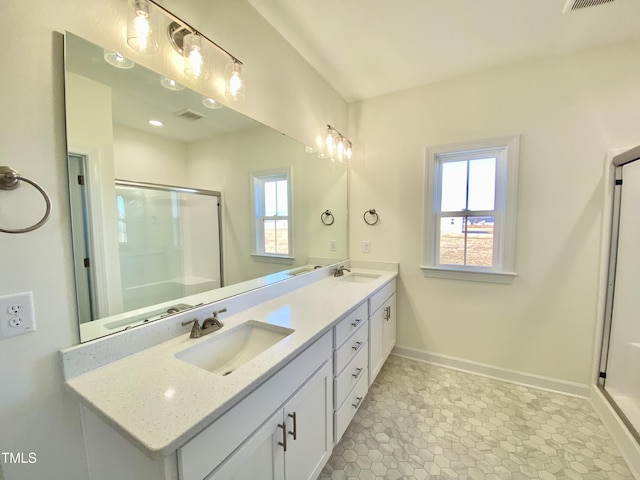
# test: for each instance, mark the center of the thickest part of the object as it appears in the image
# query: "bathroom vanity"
(266, 396)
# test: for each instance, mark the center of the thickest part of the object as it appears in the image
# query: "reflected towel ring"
(372, 213)
(10, 180)
(327, 217)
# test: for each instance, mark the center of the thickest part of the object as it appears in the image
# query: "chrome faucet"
(209, 324)
(339, 272)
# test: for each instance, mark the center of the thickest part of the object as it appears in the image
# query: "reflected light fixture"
(142, 33)
(171, 84)
(235, 85)
(117, 60)
(155, 123)
(337, 146)
(211, 103)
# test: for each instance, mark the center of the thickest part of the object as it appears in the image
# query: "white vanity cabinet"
(382, 327)
(294, 443)
(283, 430)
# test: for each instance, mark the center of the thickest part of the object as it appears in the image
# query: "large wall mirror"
(203, 205)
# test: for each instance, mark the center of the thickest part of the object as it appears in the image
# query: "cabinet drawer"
(345, 382)
(345, 413)
(377, 299)
(350, 324)
(351, 347)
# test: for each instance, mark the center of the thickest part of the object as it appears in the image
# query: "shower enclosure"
(169, 242)
(619, 378)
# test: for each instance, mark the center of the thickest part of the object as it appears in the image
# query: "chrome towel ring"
(327, 217)
(10, 180)
(370, 217)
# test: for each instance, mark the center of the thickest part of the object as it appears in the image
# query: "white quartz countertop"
(160, 402)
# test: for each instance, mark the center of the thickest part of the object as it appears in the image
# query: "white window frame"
(506, 151)
(257, 200)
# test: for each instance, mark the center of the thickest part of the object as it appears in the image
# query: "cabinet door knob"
(283, 443)
(295, 425)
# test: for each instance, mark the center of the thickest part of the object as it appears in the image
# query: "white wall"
(36, 414)
(569, 110)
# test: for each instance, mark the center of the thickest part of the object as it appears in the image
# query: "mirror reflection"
(177, 201)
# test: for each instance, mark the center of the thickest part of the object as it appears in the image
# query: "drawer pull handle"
(357, 404)
(283, 443)
(356, 322)
(357, 346)
(357, 374)
(294, 434)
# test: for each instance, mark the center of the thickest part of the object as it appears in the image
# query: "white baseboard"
(499, 373)
(627, 445)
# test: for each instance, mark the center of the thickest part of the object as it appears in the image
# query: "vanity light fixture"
(117, 60)
(235, 85)
(192, 53)
(171, 84)
(337, 146)
(186, 40)
(142, 34)
(211, 103)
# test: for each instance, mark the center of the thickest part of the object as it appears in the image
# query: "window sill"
(266, 258)
(468, 275)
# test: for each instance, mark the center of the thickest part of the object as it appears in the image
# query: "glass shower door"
(620, 367)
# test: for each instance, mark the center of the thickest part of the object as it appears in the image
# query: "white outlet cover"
(16, 314)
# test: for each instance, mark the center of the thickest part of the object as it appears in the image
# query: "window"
(272, 208)
(470, 205)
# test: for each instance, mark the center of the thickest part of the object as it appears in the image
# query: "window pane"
(454, 186)
(282, 237)
(270, 199)
(269, 230)
(452, 241)
(466, 241)
(482, 184)
(283, 200)
(479, 241)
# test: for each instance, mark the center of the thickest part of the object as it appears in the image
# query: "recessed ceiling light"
(156, 123)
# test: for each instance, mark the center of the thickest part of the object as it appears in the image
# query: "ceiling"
(366, 48)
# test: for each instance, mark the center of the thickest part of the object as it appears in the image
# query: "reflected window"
(122, 219)
(272, 207)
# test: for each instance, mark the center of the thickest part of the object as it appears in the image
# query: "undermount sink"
(227, 350)
(360, 277)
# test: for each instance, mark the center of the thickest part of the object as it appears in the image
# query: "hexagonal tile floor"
(420, 421)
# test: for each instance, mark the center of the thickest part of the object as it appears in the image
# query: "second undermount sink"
(360, 277)
(227, 350)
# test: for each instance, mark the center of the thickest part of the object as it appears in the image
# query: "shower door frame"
(618, 162)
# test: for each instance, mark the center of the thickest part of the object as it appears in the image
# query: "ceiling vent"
(189, 114)
(572, 5)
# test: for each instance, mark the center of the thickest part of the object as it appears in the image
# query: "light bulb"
(235, 84)
(340, 149)
(330, 141)
(348, 152)
(141, 31)
(192, 51)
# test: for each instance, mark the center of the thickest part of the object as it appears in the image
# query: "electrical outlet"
(366, 246)
(16, 314)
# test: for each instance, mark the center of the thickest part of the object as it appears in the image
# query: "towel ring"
(327, 217)
(372, 213)
(10, 180)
